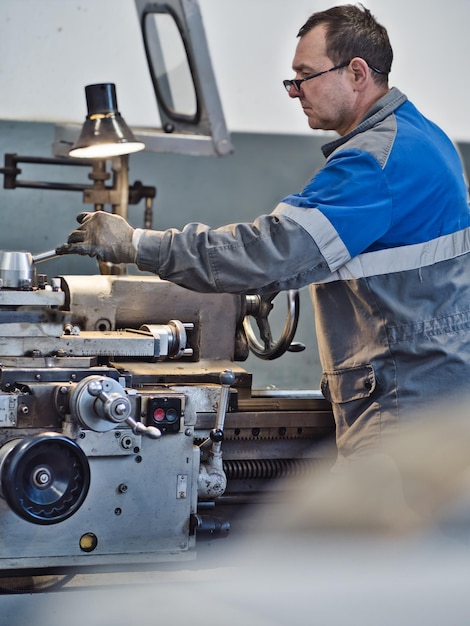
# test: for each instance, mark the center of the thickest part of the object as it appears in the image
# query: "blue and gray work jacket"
(382, 235)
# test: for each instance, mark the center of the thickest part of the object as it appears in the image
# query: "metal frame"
(204, 134)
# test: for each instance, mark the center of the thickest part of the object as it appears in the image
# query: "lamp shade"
(104, 134)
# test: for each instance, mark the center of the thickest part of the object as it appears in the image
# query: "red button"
(159, 415)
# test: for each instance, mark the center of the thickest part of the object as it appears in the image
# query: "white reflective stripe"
(320, 230)
(136, 235)
(404, 258)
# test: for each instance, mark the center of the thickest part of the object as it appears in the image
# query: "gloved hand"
(103, 235)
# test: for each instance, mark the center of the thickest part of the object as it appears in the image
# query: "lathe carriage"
(127, 425)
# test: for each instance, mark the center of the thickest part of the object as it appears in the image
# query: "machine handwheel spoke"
(259, 308)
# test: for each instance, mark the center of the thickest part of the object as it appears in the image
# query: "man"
(382, 233)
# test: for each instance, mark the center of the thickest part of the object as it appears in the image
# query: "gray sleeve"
(273, 253)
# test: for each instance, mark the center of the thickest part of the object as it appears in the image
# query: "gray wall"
(263, 169)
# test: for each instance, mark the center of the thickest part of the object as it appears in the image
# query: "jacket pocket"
(346, 385)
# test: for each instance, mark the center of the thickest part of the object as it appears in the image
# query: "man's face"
(327, 100)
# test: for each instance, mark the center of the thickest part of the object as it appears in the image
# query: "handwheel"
(44, 478)
(259, 307)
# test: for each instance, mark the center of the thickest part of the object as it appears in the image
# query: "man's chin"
(314, 124)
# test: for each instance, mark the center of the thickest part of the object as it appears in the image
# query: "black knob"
(227, 377)
(216, 435)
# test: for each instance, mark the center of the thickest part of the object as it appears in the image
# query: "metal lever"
(141, 429)
(117, 408)
(212, 480)
(44, 256)
(227, 379)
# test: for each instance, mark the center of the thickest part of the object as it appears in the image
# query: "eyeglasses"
(297, 82)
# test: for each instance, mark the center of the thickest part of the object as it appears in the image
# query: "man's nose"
(293, 92)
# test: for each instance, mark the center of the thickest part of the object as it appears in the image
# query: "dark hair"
(352, 31)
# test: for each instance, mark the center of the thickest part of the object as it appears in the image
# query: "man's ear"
(360, 71)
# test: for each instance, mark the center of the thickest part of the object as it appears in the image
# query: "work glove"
(103, 235)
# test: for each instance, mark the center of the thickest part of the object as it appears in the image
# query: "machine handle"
(227, 378)
(44, 256)
(116, 408)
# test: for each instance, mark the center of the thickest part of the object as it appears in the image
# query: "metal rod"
(44, 256)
